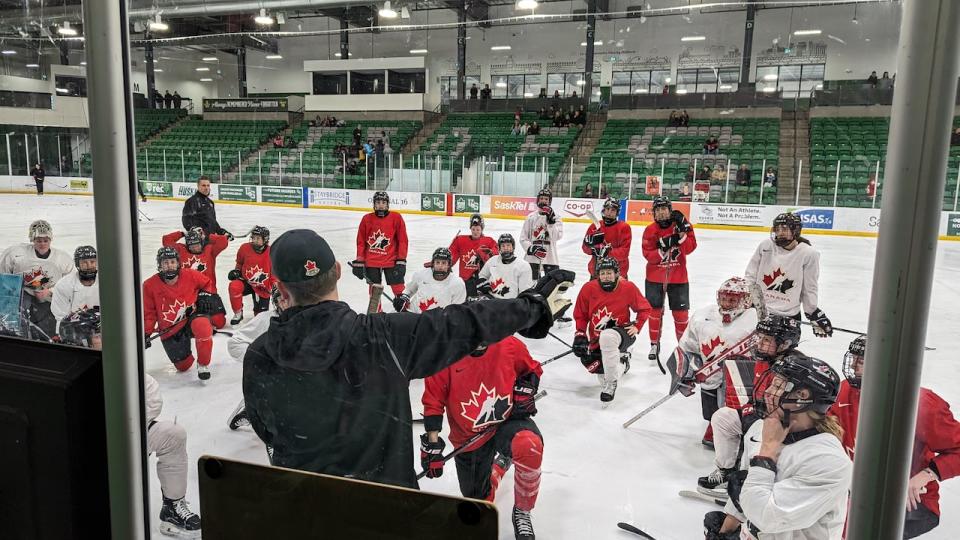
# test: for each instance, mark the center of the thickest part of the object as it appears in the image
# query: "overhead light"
(770, 77)
(597, 43)
(33, 66)
(66, 30)
(157, 70)
(667, 79)
(387, 12)
(63, 91)
(693, 38)
(807, 32)
(641, 91)
(418, 51)
(338, 54)
(274, 57)
(527, 4)
(281, 18)
(500, 48)
(726, 87)
(581, 82)
(263, 18)
(8, 52)
(681, 91)
(404, 13)
(157, 25)
(528, 94)
(769, 89)
(207, 59)
(203, 69)
(206, 79)
(501, 84)
(83, 63)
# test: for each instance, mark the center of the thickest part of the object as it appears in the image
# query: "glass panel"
(367, 82)
(532, 85)
(728, 79)
(555, 84)
(71, 86)
(329, 83)
(686, 80)
(789, 81)
(658, 80)
(499, 87)
(573, 83)
(767, 78)
(515, 86)
(621, 82)
(706, 80)
(408, 82)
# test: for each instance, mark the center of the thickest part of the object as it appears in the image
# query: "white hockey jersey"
(807, 497)
(788, 278)
(536, 228)
(69, 295)
(707, 336)
(37, 273)
(427, 293)
(248, 333)
(506, 280)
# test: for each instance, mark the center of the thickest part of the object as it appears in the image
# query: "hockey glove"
(229, 235)
(431, 456)
(485, 253)
(548, 293)
(601, 251)
(549, 214)
(581, 345)
(597, 237)
(401, 302)
(504, 291)
(680, 221)
(146, 341)
(524, 390)
(234, 274)
(358, 269)
(484, 288)
(537, 251)
(712, 522)
(209, 304)
(667, 242)
(821, 324)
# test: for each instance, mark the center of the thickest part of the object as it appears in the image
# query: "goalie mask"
(796, 383)
(733, 298)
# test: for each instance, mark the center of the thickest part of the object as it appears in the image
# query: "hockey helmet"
(166, 253)
(855, 354)
(507, 256)
(545, 192)
(262, 232)
(784, 330)
(84, 253)
(611, 204)
(79, 327)
(608, 263)
(476, 219)
(792, 222)
(660, 201)
(194, 237)
(381, 196)
(735, 291)
(781, 385)
(441, 254)
(40, 229)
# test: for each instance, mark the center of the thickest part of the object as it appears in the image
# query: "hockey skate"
(237, 317)
(176, 519)
(522, 525)
(625, 361)
(715, 484)
(238, 418)
(654, 355)
(203, 372)
(607, 393)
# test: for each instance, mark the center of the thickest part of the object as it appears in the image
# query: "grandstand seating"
(654, 148)
(149, 121)
(858, 144)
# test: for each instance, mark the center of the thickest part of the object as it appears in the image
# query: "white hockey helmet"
(41, 229)
(734, 288)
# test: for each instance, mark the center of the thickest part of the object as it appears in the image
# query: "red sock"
(397, 289)
(219, 320)
(184, 364)
(527, 449)
(236, 295)
(495, 476)
(203, 335)
(708, 434)
(680, 319)
(656, 317)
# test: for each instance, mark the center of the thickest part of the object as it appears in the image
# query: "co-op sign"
(578, 207)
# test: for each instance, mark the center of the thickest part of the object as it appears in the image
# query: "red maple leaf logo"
(540, 233)
(496, 284)
(35, 278)
(485, 407)
(707, 348)
(768, 280)
(601, 319)
(428, 304)
(378, 242)
(310, 268)
(175, 311)
(256, 275)
(194, 263)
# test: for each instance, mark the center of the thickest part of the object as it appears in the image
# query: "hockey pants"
(518, 439)
(177, 346)
(679, 296)
(169, 442)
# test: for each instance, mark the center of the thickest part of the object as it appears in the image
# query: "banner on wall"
(329, 197)
(433, 202)
(578, 208)
(245, 105)
(953, 224)
(282, 195)
(653, 185)
(642, 211)
(157, 189)
(512, 206)
(466, 204)
(815, 218)
(184, 191)
(731, 214)
(80, 185)
(238, 193)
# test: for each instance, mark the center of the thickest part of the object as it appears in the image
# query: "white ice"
(595, 473)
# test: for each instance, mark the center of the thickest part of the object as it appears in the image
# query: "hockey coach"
(328, 389)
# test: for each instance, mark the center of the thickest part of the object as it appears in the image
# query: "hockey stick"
(459, 450)
(630, 528)
(702, 497)
(145, 216)
(856, 333)
(557, 357)
(554, 336)
(646, 411)
(48, 183)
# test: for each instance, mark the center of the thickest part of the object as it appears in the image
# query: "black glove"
(234, 274)
(229, 235)
(401, 302)
(822, 327)
(537, 251)
(581, 345)
(550, 214)
(358, 269)
(601, 251)
(548, 293)
(483, 287)
(680, 221)
(712, 522)
(209, 304)
(431, 456)
(524, 390)
(598, 237)
(667, 242)
(146, 341)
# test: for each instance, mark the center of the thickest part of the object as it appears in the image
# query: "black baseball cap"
(300, 255)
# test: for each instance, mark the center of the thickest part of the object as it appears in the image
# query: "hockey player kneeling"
(433, 287)
(491, 390)
(604, 329)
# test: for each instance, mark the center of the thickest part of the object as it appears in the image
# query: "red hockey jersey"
(204, 262)
(165, 305)
(472, 253)
(618, 238)
(936, 441)
(255, 268)
(657, 264)
(597, 309)
(382, 240)
(477, 391)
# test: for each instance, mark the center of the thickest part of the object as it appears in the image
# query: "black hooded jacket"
(198, 211)
(328, 388)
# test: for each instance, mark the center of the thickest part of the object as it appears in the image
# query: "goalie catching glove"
(548, 292)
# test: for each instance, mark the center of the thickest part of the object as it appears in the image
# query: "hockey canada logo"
(777, 281)
(194, 263)
(540, 233)
(471, 260)
(310, 268)
(603, 319)
(485, 407)
(499, 287)
(428, 304)
(175, 312)
(256, 275)
(707, 348)
(378, 242)
(36, 278)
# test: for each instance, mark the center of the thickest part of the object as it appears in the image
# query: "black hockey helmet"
(384, 197)
(164, 254)
(797, 371)
(785, 330)
(608, 263)
(194, 237)
(83, 253)
(262, 232)
(441, 254)
(789, 220)
(79, 327)
(506, 238)
(856, 352)
(476, 219)
(614, 204)
(661, 201)
(545, 192)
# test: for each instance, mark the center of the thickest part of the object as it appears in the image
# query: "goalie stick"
(376, 291)
(702, 497)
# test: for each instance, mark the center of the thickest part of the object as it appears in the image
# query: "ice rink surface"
(595, 473)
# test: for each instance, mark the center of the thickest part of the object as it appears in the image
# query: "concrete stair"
(794, 157)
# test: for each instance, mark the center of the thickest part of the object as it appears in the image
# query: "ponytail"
(803, 240)
(827, 424)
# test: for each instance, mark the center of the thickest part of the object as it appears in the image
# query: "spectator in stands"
(872, 79)
(691, 174)
(177, 100)
(604, 194)
(684, 119)
(38, 175)
(674, 119)
(885, 80)
(278, 140)
(574, 94)
(380, 150)
(157, 99)
(543, 93)
(557, 119)
(666, 89)
(357, 133)
(64, 166)
(587, 192)
(770, 178)
(368, 148)
(534, 129)
(719, 174)
(385, 141)
(517, 114)
(743, 175)
(167, 100)
(473, 91)
(711, 145)
(576, 119)
(486, 92)
(525, 129)
(566, 120)
(872, 186)
(556, 95)
(515, 130)
(955, 138)
(704, 175)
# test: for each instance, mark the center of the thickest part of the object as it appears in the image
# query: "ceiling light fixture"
(157, 25)
(274, 57)
(8, 52)
(263, 18)
(203, 69)
(667, 80)
(598, 43)
(418, 51)
(206, 79)
(62, 91)
(725, 87)
(207, 59)
(527, 4)
(387, 12)
(66, 29)
(34, 66)
(681, 91)
(338, 54)
(807, 32)
(693, 38)
(83, 63)
(581, 82)
(500, 48)
(157, 70)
